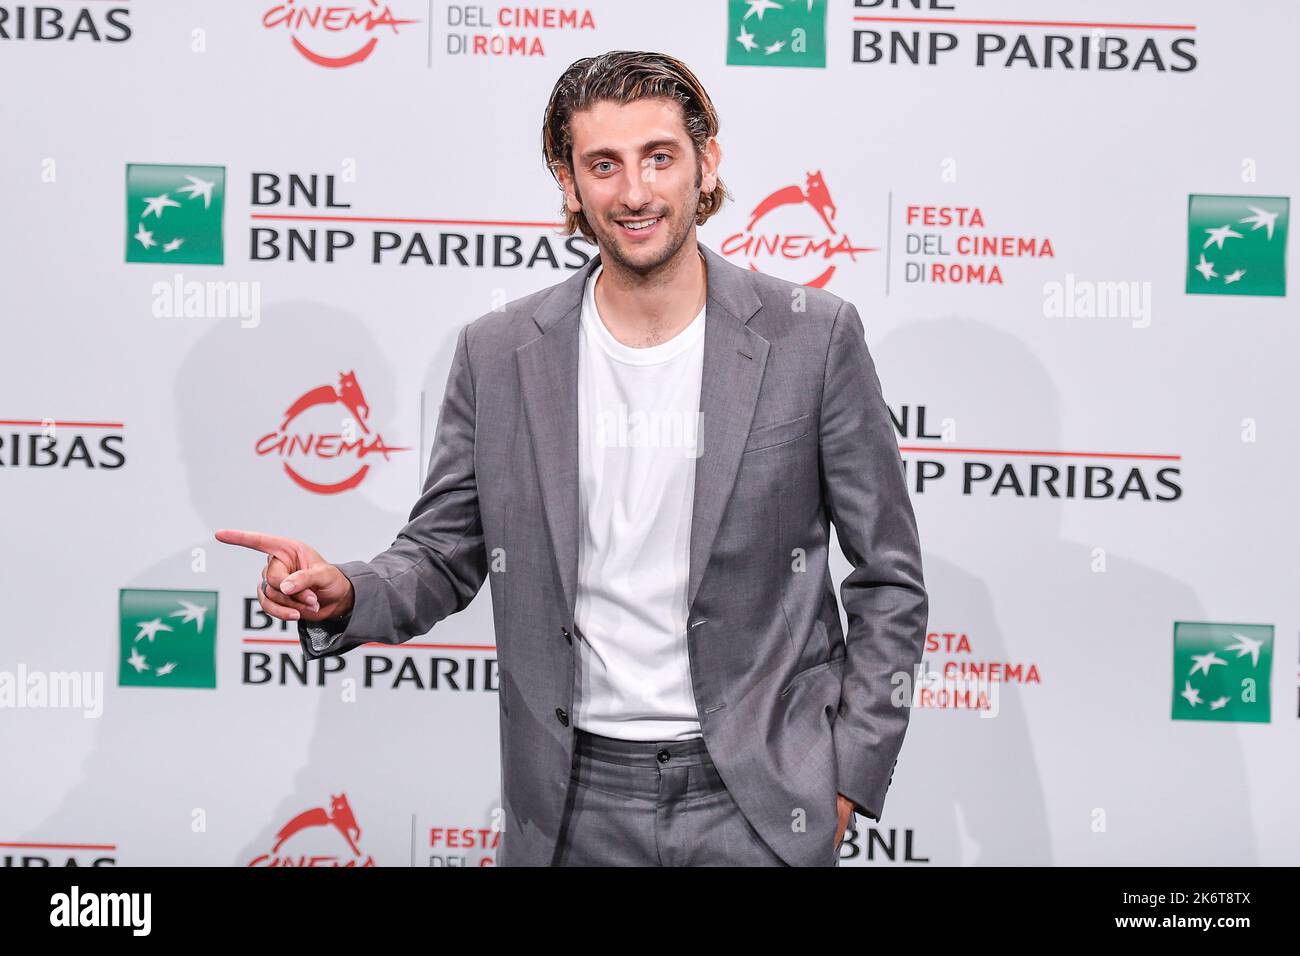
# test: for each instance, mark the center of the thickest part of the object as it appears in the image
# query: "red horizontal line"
(1032, 23)
(403, 219)
(1040, 453)
(38, 424)
(59, 846)
(436, 647)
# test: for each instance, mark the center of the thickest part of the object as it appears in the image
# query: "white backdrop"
(132, 412)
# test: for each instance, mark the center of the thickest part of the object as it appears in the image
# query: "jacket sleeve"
(438, 562)
(884, 596)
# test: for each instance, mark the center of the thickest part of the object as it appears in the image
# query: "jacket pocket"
(815, 669)
(777, 433)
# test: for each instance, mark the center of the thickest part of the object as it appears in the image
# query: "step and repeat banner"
(239, 239)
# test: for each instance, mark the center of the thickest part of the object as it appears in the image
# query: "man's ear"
(709, 161)
(571, 200)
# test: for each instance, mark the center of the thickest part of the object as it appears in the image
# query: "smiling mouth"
(637, 225)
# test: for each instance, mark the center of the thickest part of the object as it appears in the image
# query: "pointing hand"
(297, 582)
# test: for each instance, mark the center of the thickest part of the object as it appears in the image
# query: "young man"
(649, 452)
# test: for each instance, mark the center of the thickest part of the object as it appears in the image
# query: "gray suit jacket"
(794, 432)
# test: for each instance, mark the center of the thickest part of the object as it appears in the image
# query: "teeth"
(642, 225)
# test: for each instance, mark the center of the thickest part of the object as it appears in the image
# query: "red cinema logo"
(326, 452)
(798, 223)
(316, 834)
(334, 35)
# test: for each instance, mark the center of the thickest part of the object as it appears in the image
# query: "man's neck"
(642, 311)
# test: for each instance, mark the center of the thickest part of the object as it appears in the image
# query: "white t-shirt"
(638, 431)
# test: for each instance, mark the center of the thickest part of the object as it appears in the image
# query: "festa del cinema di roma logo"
(321, 452)
(334, 34)
(319, 846)
(799, 223)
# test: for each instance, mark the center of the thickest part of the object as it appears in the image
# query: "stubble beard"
(608, 239)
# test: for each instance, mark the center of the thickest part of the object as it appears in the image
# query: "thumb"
(317, 577)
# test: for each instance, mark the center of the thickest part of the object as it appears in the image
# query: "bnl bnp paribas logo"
(1221, 671)
(174, 213)
(1236, 245)
(167, 638)
(768, 33)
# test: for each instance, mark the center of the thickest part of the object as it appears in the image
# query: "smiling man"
(647, 458)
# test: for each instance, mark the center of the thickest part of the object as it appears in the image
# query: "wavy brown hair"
(623, 76)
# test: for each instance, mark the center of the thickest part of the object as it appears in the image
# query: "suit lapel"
(548, 382)
(734, 359)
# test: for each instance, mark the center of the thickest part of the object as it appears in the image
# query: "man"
(645, 457)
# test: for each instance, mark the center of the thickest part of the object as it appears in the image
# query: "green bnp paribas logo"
(173, 213)
(167, 638)
(768, 33)
(1221, 671)
(1236, 245)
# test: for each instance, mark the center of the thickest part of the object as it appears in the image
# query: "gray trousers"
(635, 803)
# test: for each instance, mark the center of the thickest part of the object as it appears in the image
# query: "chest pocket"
(777, 433)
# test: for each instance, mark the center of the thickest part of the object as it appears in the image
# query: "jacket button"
(564, 632)
(564, 717)
(664, 756)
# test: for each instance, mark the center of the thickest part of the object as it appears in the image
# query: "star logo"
(137, 661)
(200, 187)
(1221, 671)
(1205, 661)
(174, 213)
(1245, 240)
(1262, 219)
(156, 653)
(150, 629)
(760, 7)
(772, 33)
(154, 205)
(1243, 645)
(1218, 235)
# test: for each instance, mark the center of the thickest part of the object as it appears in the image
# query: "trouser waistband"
(641, 753)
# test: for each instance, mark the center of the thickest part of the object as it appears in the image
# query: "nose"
(636, 191)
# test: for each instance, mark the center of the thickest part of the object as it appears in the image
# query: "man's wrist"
(859, 808)
(349, 602)
(335, 623)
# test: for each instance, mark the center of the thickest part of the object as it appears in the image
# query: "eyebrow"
(609, 151)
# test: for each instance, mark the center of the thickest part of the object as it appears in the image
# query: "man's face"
(637, 179)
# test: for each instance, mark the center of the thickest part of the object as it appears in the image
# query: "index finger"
(271, 544)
